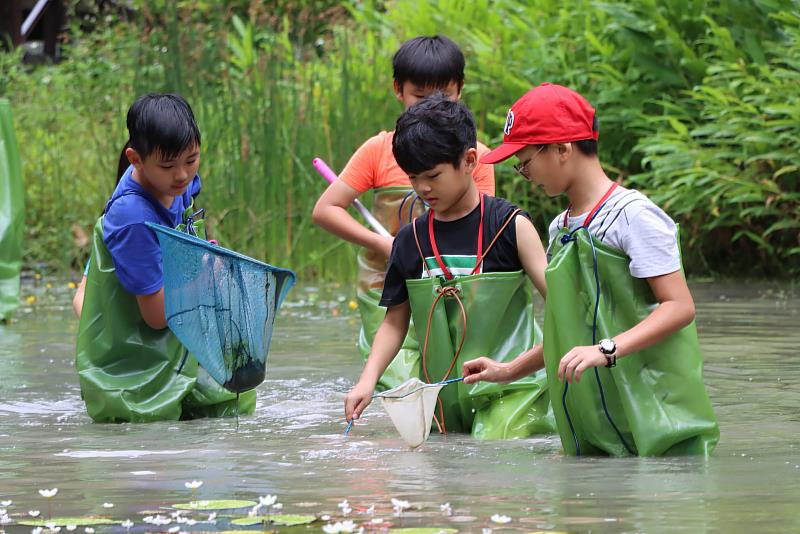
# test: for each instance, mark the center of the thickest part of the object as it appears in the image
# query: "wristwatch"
(609, 349)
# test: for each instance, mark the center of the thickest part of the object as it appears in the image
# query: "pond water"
(293, 446)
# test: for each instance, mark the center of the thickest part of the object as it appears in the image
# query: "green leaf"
(285, 520)
(214, 505)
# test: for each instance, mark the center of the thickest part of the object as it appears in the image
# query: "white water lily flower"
(397, 503)
(37, 530)
(212, 517)
(173, 530)
(54, 529)
(446, 509)
(277, 506)
(127, 524)
(371, 510)
(108, 505)
(3, 512)
(325, 517)
(48, 493)
(71, 527)
(500, 519)
(89, 530)
(345, 506)
(161, 520)
(486, 531)
(5, 520)
(267, 500)
(6, 503)
(194, 484)
(33, 513)
(376, 521)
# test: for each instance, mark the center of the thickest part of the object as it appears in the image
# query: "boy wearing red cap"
(422, 66)
(620, 344)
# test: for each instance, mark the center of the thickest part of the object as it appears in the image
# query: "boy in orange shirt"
(422, 66)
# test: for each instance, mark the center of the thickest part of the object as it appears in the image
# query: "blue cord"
(564, 240)
(349, 426)
(402, 204)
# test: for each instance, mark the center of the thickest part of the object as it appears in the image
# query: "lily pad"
(422, 530)
(284, 520)
(64, 521)
(214, 505)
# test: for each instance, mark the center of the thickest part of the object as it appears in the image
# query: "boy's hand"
(485, 369)
(576, 361)
(357, 399)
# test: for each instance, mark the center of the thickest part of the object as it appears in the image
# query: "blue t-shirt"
(133, 246)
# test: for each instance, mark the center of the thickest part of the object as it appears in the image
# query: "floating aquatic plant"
(345, 507)
(340, 527)
(214, 505)
(108, 505)
(285, 520)
(500, 519)
(193, 485)
(446, 509)
(49, 494)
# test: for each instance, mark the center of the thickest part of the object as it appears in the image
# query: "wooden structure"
(28, 20)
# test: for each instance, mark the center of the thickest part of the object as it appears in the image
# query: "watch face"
(607, 345)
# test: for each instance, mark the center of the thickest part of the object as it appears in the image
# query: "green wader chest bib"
(128, 371)
(12, 214)
(500, 324)
(391, 206)
(655, 398)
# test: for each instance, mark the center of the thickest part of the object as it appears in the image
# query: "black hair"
(429, 62)
(434, 130)
(123, 163)
(162, 123)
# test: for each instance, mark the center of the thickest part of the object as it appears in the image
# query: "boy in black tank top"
(463, 234)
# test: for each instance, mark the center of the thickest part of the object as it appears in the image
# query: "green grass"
(698, 102)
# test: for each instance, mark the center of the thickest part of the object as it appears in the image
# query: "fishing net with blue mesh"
(221, 305)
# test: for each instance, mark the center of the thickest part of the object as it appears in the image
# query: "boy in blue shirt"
(131, 367)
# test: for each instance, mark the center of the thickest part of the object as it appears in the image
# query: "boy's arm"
(531, 253)
(488, 370)
(77, 300)
(388, 341)
(534, 260)
(674, 311)
(152, 309)
(330, 213)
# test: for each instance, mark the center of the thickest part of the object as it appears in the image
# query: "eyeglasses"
(520, 168)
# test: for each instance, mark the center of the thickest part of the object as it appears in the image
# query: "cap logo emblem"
(509, 123)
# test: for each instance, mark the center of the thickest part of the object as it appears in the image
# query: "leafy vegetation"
(698, 102)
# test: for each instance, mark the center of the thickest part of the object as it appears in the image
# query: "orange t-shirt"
(373, 165)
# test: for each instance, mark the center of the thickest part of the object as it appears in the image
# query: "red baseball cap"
(546, 114)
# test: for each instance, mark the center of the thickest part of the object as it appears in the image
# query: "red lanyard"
(447, 274)
(594, 209)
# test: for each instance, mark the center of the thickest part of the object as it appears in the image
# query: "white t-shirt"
(632, 223)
